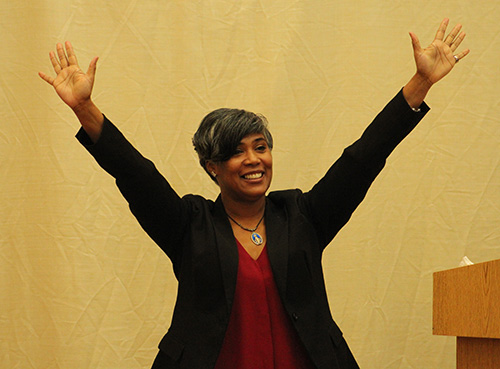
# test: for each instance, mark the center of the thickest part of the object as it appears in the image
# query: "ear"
(211, 168)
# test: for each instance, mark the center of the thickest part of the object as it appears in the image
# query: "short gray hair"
(222, 130)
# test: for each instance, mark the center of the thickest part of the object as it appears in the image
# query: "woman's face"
(246, 176)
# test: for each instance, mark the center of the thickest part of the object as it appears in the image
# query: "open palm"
(438, 59)
(72, 85)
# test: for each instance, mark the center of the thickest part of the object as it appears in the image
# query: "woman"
(251, 291)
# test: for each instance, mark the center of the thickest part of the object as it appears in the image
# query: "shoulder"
(197, 201)
(202, 208)
(291, 201)
(283, 196)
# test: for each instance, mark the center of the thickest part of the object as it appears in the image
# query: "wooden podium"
(466, 304)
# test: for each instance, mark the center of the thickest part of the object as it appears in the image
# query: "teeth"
(253, 176)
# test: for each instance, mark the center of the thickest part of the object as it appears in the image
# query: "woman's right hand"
(72, 85)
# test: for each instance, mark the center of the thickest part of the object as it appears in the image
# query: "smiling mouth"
(253, 175)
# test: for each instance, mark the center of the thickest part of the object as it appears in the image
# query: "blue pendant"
(257, 239)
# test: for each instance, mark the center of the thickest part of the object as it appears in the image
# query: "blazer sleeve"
(157, 207)
(331, 202)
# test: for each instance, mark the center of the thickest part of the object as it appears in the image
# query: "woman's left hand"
(439, 58)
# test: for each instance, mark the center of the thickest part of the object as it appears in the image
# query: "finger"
(442, 29)
(92, 67)
(71, 54)
(451, 37)
(63, 60)
(457, 41)
(55, 62)
(415, 43)
(46, 78)
(461, 55)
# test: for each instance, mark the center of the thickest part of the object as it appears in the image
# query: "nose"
(251, 158)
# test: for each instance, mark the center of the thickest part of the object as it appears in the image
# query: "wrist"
(83, 107)
(416, 90)
(422, 81)
(90, 118)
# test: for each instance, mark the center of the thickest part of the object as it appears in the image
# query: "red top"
(260, 334)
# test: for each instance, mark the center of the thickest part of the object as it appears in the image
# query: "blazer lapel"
(277, 244)
(228, 251)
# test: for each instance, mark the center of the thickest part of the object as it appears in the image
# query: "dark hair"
(222, 130)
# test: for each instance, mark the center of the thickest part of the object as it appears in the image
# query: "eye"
(237, 152)
(261, 148)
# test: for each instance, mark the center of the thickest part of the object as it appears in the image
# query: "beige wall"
(81, 285)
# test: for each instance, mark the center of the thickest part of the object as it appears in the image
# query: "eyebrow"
(258, 139)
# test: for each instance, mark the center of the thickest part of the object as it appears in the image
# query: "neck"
(245, 210)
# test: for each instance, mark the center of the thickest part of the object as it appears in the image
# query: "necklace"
(255, 237)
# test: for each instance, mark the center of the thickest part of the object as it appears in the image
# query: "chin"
(257, 195)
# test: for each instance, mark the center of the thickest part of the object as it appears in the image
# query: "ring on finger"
(457, 59)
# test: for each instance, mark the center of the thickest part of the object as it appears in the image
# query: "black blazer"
(196, 235)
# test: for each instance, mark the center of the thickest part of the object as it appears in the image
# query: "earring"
(213, 174)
